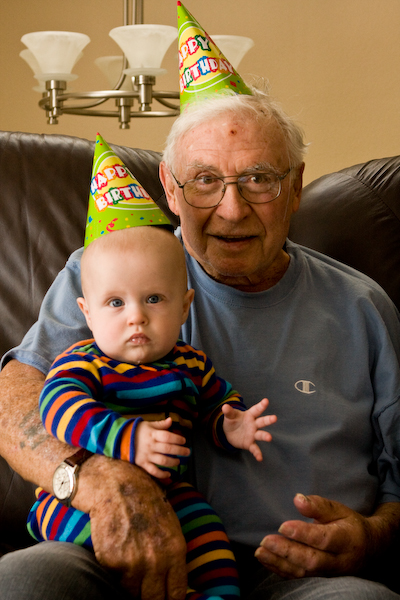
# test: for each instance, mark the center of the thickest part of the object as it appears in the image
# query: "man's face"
(236, 243)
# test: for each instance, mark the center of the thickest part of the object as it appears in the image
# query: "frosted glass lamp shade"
(56, 52)
(28, 57)
(144, 46)
(233, 47)
(111, 67)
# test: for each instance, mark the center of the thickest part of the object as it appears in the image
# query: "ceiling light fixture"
(53, 54)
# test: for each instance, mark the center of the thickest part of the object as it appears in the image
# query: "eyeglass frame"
(226, 183)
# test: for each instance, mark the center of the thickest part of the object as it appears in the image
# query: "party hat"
(203, 69)
(117, 200)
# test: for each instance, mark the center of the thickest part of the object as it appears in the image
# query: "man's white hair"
(260, 106)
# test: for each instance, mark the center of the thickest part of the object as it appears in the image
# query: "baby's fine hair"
(125, 240)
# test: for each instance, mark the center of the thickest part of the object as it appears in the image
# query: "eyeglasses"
(207, 191)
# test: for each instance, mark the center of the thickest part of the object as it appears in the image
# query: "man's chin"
(229, 272)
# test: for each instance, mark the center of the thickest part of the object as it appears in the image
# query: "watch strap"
(77, 459)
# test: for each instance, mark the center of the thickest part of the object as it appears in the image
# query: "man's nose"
(233, 207)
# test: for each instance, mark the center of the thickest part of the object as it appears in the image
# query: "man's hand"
(155, 445)
(135, 531)
(243, 428)
(340, 541)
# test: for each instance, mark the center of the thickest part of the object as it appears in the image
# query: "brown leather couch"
(352, 215)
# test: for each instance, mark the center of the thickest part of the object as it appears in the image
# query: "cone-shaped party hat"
(203, 69)
(117, 200)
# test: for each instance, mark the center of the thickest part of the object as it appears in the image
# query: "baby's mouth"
(139, 339)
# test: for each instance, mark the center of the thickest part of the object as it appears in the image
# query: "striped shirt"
(95, 402)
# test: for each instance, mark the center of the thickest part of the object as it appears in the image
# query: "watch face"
(63, 482)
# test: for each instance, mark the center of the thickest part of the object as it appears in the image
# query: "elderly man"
(319, 339)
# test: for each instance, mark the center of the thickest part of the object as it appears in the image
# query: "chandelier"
(53, 54)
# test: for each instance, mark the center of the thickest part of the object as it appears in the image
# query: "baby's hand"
(243, 428)
(154, 445)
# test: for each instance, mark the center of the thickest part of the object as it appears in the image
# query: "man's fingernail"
(286, 531)
(302, 498)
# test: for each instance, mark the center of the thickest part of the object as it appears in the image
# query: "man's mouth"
(232, 239)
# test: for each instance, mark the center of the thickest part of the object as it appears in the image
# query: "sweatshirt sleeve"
(70, 412)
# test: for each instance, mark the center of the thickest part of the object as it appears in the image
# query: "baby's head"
(135, 292)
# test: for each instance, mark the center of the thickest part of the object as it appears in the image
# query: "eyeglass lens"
(209, 191)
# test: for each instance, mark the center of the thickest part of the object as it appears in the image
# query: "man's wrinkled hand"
(337, 542)
(135, 531)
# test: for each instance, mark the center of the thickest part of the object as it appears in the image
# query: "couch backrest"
(354, 216)
(43, 203)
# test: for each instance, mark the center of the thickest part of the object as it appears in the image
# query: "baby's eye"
(153, 299)
(116, 303)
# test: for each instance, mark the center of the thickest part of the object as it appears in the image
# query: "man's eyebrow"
(199, 165)
(261, 167)
(257, 168)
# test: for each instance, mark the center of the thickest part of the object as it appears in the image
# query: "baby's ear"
(187, 301)
(83, 306)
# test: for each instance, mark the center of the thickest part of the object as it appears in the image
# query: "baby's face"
(135, 304)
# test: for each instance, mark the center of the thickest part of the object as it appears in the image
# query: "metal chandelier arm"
(54, 102)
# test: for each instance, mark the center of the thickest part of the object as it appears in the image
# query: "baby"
(135, 390)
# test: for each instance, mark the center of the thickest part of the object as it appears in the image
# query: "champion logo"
(305, 387)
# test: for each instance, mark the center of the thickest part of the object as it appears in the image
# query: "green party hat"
(117, 200)
(203, 69)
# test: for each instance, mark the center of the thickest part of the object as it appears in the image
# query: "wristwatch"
(65, 478)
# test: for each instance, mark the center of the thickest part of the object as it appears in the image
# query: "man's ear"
(84, 308)
(187, 301)
(297, 187)
(169, 187)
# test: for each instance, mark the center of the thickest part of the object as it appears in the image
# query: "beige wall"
(335, 65)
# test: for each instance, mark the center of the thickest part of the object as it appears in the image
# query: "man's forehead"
(258, 158)
(245, 140)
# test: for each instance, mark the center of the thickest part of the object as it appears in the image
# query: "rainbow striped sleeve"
(70, 413)
(213, 391)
